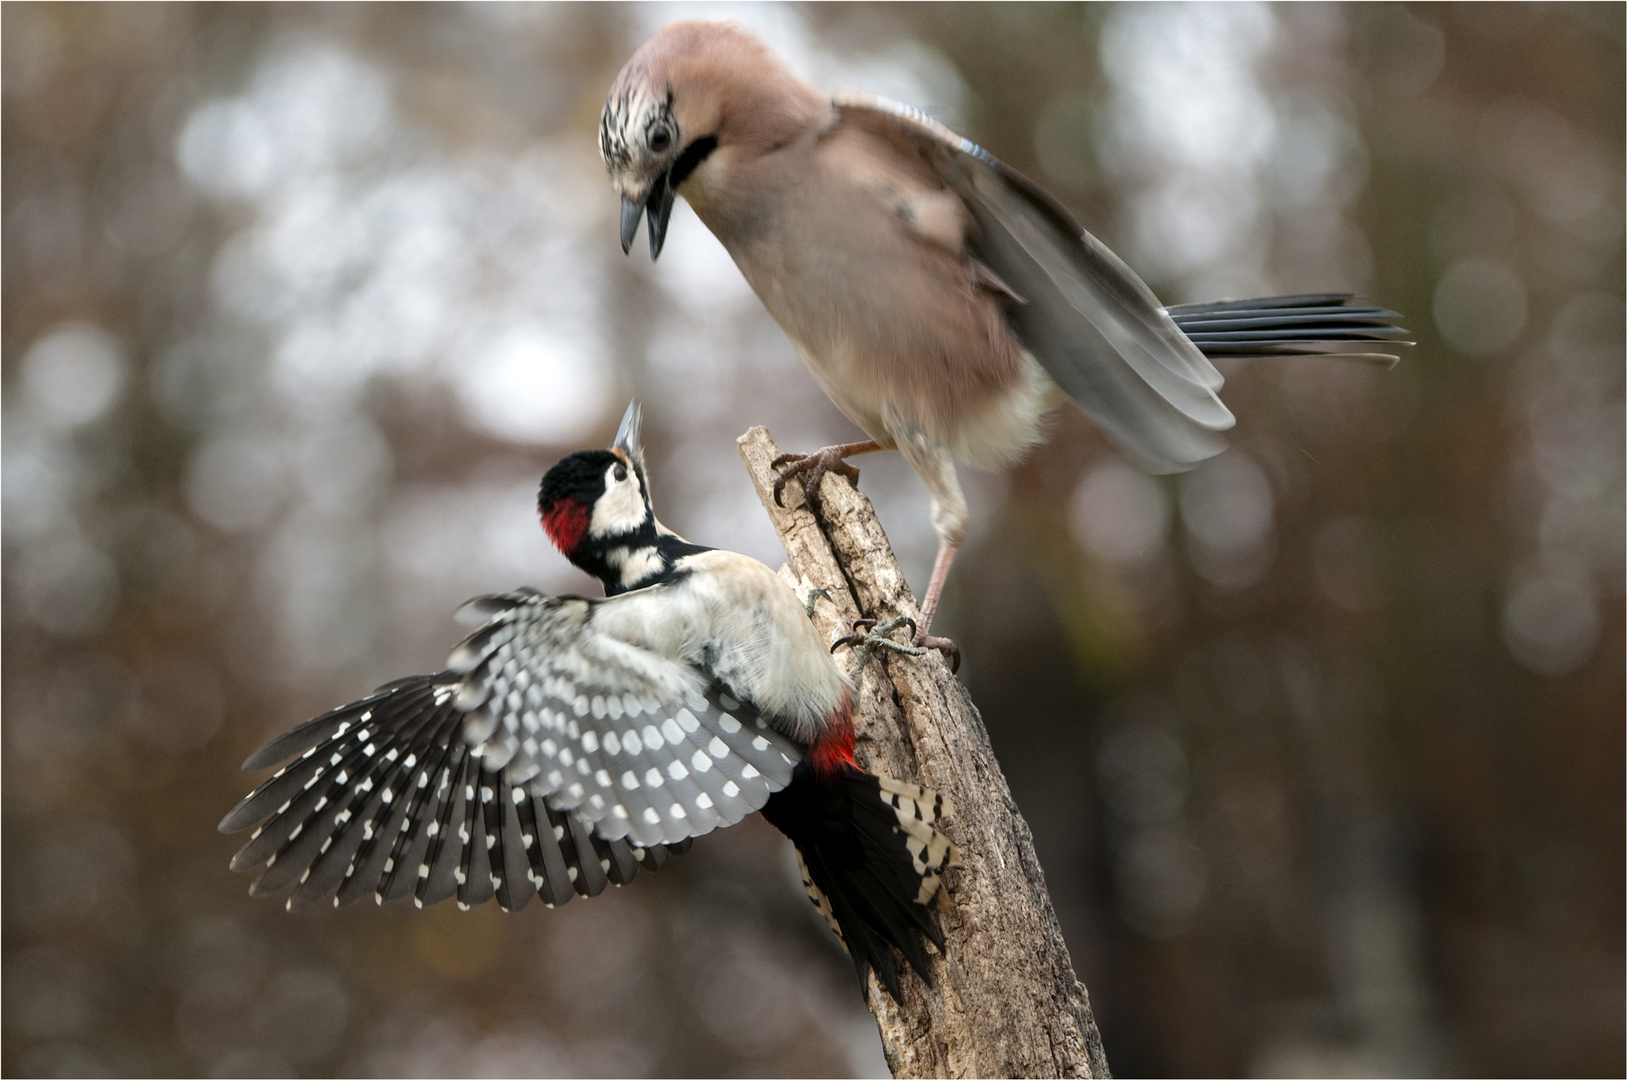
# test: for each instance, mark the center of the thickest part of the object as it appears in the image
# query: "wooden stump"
(1004, 1000)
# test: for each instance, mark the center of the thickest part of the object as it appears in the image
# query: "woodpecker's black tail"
(386, 798)
(871, 861)
(1323, 324)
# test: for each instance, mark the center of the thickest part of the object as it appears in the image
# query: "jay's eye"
(660, 138)
(621, 472)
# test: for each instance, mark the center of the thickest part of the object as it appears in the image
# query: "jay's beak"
(631, 212)
(659, 204)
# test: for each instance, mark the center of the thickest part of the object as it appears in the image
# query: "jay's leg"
(931, 459)
(934, 591)
(816, 465)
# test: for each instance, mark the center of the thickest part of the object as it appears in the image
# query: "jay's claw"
(951, 651)
(815, 465)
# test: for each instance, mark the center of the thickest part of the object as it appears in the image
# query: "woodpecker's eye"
(660, 137)
(621, 472)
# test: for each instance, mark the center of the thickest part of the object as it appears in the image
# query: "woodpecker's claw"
(876, 640)
(857, 639)
(810, 597)
(816, 465)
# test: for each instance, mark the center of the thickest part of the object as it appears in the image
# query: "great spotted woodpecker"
(571, 740)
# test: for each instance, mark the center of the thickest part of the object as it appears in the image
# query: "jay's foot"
(875, 640)
(951, 651)
(814, 466)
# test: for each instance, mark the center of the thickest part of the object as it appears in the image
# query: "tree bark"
(1004, 1000)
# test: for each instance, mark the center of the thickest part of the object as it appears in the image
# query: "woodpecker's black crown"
(579, 478)
(595, 506)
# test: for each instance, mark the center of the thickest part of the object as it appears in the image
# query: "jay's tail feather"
(1321, 324)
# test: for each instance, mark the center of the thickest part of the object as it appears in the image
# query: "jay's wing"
(1094, 326)
(642, 746)
(386, 797)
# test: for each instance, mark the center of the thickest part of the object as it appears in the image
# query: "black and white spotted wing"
(386, 797)
(646, 747)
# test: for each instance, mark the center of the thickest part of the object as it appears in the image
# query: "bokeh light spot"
(73, 374)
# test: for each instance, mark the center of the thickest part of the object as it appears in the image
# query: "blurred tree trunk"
(1004, 1001)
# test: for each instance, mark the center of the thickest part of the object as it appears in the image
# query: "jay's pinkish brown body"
(943, 302)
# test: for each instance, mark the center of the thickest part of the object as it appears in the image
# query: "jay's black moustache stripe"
(688, 161)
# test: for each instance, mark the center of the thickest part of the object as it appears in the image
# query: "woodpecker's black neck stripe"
(637, 560)
(595, 506)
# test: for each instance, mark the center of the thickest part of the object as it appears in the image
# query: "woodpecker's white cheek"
(620, 509)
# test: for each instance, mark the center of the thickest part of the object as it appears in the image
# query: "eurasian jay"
(942, 300)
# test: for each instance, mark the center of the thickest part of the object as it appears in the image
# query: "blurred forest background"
(1321, 744)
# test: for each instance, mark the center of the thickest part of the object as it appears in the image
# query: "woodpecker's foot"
(810, 598)
(875, 640)
(815, 466)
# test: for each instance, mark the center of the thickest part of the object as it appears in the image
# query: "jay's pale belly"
(898, 363)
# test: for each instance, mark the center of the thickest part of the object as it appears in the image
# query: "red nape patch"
(834, 747)
(566, 523)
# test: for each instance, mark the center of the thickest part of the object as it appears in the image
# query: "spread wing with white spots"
(386, 797)
(645, 746)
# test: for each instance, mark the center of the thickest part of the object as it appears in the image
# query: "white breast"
(734, 617)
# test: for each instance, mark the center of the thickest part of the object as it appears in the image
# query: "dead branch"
(1004, 1000)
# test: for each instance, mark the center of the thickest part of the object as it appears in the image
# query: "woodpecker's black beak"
(659, 204)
